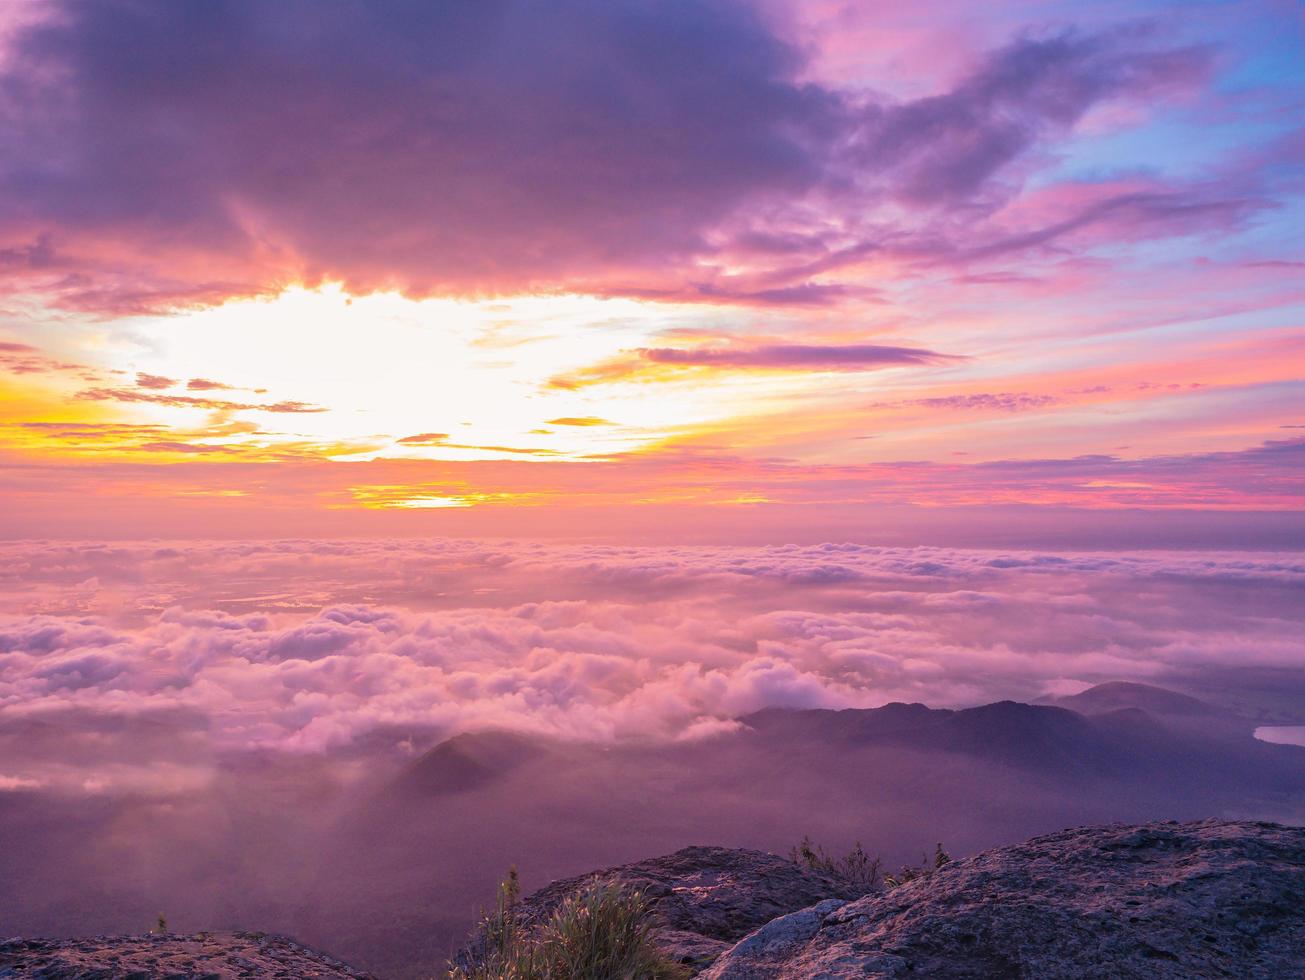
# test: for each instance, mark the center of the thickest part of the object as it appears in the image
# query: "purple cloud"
(812, 357)
(225, 137)
(444, 127)
(1137, 215)
(1005, 401)
(945, 147)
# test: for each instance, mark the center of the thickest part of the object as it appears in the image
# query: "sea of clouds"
(145, 658)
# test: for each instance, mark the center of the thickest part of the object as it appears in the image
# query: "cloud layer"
(396, 641)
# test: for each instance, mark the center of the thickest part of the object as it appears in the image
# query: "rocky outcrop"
(211, 956)
(703, 899)
(1163, 900)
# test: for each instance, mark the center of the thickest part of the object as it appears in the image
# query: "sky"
(374, 372)
(763, 271)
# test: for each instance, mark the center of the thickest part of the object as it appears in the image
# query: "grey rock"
(1163, 900)
(689, 948)
(779, 936)
(217, 956)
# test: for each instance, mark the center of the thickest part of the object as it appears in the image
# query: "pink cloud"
(189, 401)
(599, 641)
(154, 382)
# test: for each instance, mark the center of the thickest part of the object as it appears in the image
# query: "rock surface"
(703, 899)
(213, 956)
(1162, 900)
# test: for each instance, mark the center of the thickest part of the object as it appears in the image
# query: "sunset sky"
(431, 431)
(590, 268)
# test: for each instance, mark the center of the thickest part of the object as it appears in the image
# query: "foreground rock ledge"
(1162, 900)
(211, 955)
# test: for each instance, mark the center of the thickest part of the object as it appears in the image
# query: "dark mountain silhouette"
(468, 762)
(1116, 741)
(850, 724)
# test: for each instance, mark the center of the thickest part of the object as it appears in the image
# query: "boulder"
(1163, 900)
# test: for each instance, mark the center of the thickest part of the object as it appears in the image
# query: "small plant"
(927, 865)
(862, 870)
(856, 866)
(601, 932)
(500, 926)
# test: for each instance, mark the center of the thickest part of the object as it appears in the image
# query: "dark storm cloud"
(475, 139)
(478, 146)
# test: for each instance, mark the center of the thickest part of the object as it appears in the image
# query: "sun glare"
(384, 375)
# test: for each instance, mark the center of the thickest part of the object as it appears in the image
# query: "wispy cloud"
(425, 439)
(642, 362)
(815, 357)
(154, 382)
(191, 401)
(582, 421)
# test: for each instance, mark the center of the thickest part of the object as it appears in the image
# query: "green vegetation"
(601, 932)
(861, 869)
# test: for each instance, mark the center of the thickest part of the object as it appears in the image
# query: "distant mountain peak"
(1117, 695)
(468, 761)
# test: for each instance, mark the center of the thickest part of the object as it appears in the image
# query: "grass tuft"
(856, 866)
(862, 870)
(601, 932)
